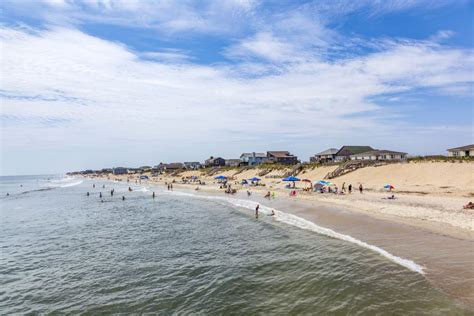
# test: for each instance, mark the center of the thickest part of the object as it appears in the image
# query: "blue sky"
(102, 83)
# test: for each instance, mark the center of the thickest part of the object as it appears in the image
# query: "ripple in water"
(68, 253)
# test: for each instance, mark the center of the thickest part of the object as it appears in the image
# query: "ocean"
(183, 253)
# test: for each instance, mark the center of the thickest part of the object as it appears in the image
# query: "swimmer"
(100, 194)
(256, 210)
(153, 194)
(87, 193)
(123, 198)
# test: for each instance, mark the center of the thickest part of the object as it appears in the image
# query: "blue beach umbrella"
(322, 182)
(291, 178)
(255, 179)
(220, 178)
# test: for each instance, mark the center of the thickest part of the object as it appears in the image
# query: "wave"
(72, 184)
(302, 223)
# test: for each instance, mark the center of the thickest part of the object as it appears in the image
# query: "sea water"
(65, 252)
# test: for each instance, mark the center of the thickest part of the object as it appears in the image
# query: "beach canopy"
(255, 179)
(291, 178)
(220, 178)
(306, 180)
(389, 186)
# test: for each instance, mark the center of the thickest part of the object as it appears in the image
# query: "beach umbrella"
(322, 182)
(220, 178)
(255, 179)
(389, 186)
(308, 181)
(292, 179)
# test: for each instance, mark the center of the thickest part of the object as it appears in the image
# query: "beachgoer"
(123, 198)
(268, 195)
(100, 194)
(249, 193)
(8, 194)
(112, 192)
(256, 210)
(87, 194)
(130, 189)
(103, 186)
(273, 212)
(350, 188)
(391, 197)
(93, 185)
(153, 194)
(171, 186)
(469, 206)
(361, 189)
(343, 189)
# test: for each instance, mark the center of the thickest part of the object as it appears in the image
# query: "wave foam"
(302, 223)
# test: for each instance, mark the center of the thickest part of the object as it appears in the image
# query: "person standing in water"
(112, 192)
(123, 198)
(87, 194)
(153, 194)
(256, 211)
(100, 194)
(93, 185)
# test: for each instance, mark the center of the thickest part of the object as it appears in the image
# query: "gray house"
(325, 156)
(214, 162)
(192, 165)
(346, 151)
(120, 170)
(381, 154)
(253, 159)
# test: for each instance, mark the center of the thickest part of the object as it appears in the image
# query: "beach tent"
(292, 179)
(255, 179)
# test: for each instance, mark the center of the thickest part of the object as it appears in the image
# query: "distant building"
(120, 170)
(380, 155)
(253, 159)
(346, 151)
(283, 157)
(325, 156)
(214, 162)
(174, 166)
(232, 162)
(192, 165)
(464, 151)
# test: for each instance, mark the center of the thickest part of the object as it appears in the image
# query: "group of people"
(123, 196)
(257, 208)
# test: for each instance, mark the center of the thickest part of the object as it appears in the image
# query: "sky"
(102, 83)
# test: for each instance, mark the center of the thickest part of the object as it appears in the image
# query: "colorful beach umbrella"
(322, 182)
(389, 186)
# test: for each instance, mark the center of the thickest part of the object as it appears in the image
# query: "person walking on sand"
(343, 189)
(256, 210)
(350, 188)
(361, 189)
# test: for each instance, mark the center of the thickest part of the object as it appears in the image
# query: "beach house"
(464, 151)
(345, 152)
(214, 162)
(283, 157)
(253, 159)
(120, 170)
(380, 154)
(325, 156)
(232, 162)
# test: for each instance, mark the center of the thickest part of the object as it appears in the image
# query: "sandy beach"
(430, 195)
(426, 222)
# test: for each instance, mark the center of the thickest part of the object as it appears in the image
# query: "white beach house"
(464, 151)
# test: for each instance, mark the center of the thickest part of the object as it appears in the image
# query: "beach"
(426, 223)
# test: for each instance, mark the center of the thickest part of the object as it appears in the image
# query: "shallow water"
(65, 252)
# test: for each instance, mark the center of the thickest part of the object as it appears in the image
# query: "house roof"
(213, 159)
(280, 154)
(467, 147)
(352, 150)
(379, 152)
(330, 151)
(257, 155)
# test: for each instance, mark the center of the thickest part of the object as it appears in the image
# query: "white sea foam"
(72, 184)
(302, 223)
